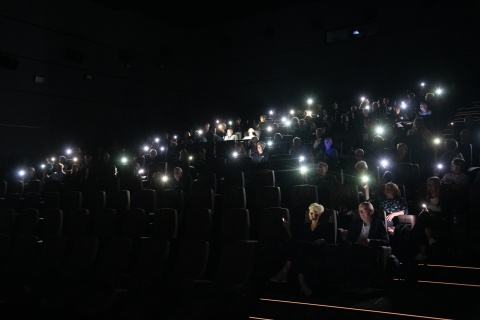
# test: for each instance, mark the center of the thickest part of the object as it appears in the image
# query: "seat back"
(198, 224)
(165, 224)
(235, 225)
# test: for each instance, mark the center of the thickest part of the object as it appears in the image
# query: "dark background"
(174, 65)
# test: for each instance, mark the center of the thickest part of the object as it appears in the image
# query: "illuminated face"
(328, 144)
(259, 148)
(431, 187)
(365, 213)
(314, 214)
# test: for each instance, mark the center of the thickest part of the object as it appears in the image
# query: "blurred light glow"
(362, 99)
(200, 131)
(309, 101)
(437, 141)
(292, 112)
(303, 169)
(157, 140)
(367, 107)
(284, 119)
(403, 105)
(52, 159)
(271, 112)
(379, 130)
(145, 148)
(164, 178)
(124, 160)
(309, 113)
(190, 158)
(439, 91)
(230, 123)
(270, 143)
(141, 171)
(69, 151)
(384, 163)
(422, 84)
(175, 137)
(364, 179)
(235, 154)
(42, 166)
(301, 159)
(75, 159)
(217, 122)
(269, 129)
(162, 149)
(21, 173)
(439, 166)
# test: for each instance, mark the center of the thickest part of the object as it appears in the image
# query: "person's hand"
(390, 217)
(365, 242)
(343, 233)
(319, 241)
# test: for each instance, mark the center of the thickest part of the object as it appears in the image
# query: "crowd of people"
(363, 145)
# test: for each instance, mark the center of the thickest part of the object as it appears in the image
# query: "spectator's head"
(183, 156)
(315, 210)
(278, 137)
(328, 143)
(62, 160)
(206, 127)
(365, 211)
(418, 124)
(424, 106)
(429, 97)
(458, 165)
(59, 167)
(359, 154)
(177, 173)
(361, 167)
(450, 144)
(106, 157)
(254, 140)
(378, 140)
(410, 96)
(322, 169)
(153, 153)
(433, 187)
(30, 173)
(251, 132)
(344, 119)
(318, 133)
(402, 150)
(229, 132)
(263, 118)
(261, 146)
(391, 191)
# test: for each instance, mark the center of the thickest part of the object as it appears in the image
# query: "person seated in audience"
(451, 152)
(431, 220)
(278, 147)
(324, 182)
(199, 137)
(106, 169)
(457, 174)
(261, 155)
(252, 145)
(318, 141)
(250, 134)
(362, 179)
(63, 160)
(230, 136)
(419, 129)
(297, 149)
(173, 152)
(237, 125)
(152, 156)
(390, 201)
(376, 151)
(329, 153)
(424, 110)
(187, 138)
(363, 236)
(316, 233)
(181, 181)
(58, 174)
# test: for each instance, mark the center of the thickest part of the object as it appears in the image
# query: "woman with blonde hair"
(315, 234)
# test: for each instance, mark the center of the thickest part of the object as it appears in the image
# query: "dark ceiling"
(191, 14)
